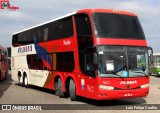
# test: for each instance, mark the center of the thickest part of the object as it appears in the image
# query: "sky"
(33, 12)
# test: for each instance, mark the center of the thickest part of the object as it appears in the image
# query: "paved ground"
(12, 93)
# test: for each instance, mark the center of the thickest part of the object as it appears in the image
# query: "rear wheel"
(59, 86)
(26, 81)
(72, 90)
(20, 79)
(56, 88)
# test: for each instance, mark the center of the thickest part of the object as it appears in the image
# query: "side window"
(59, 61)
(22, 38)
(36, 62)
(65, 61)
(83, 25)
(89, 65)
(39, 33)
(28, 37)
(25, 37)
(15, 42)
(60, 29)
(41, 62)
(31, 60)
(85, 40)
(45, 34)
(69, 61)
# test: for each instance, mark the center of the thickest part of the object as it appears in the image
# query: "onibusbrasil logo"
(5, 5)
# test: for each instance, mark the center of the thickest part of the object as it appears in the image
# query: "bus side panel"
(19, 64)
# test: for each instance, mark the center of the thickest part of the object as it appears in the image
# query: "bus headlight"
(106, 87)
(144, 86)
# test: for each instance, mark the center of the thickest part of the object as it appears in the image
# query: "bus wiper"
(119, 76)
(139, 72)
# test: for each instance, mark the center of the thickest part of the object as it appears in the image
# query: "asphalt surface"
(12, 93)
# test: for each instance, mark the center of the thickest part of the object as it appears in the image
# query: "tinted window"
(117, 26)
(83, 25)
(61, 29)
(15, 40)
(84, 31)
(55, 30)
(89, 65)
(85, 40)
(45, 34)
(65, 61)
(27, 37)
(36, 62)
(23, 38)
(39, 33)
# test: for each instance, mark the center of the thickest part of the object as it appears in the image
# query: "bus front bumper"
(121, 94)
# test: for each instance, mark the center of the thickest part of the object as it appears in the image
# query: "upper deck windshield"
(109, 25)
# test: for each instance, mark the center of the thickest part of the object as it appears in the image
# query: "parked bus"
(3, 63)
(99, 54)
(155, 68)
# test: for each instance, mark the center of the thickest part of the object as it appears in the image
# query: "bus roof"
(107, 11)
(69, 14)
(81, 11)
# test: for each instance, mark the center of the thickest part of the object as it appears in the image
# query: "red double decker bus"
(100, 54)
(3, 63)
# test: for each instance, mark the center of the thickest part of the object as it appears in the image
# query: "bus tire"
(59, 86)
(26, 81)
(56, 88)
(72, 90)
(20, 79)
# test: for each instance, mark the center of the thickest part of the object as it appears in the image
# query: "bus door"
(90, 79)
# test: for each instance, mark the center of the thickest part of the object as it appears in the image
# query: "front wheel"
(72, 90)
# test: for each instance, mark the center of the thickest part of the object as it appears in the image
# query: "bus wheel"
(72, 90)
(26, 81)
(21, 80)
(56, 88)
(60, 91)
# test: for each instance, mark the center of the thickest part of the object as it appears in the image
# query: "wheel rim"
(25, 81)
(21, 80)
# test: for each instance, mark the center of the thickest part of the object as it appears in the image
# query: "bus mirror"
(95, 58)
(151, 59)
(150, 53)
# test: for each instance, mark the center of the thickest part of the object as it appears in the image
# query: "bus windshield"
(119, 61)
(109, 25)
